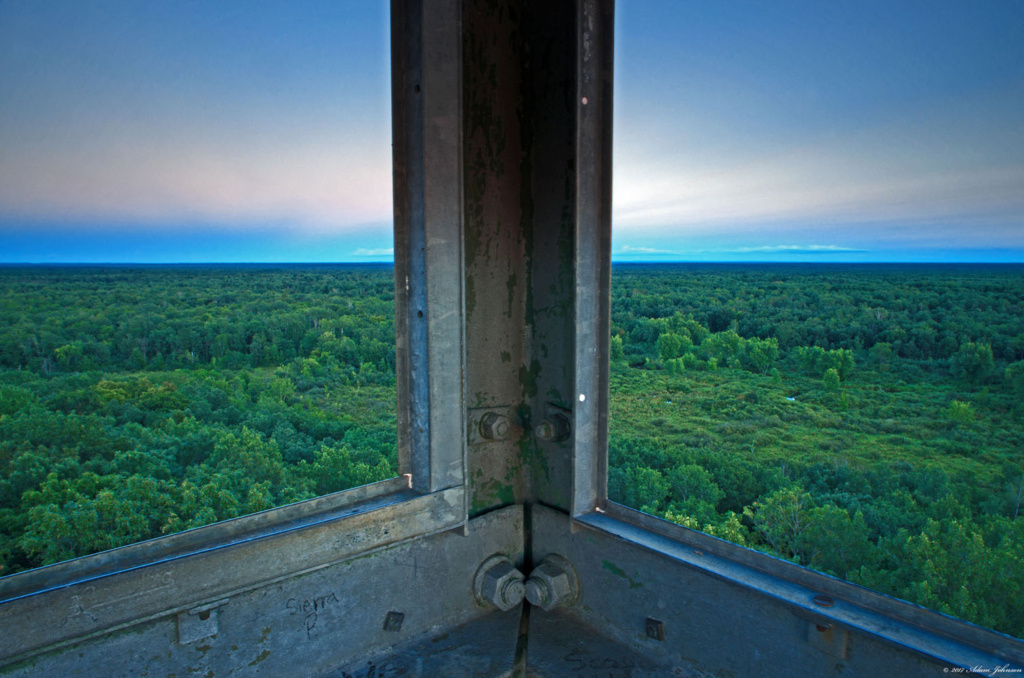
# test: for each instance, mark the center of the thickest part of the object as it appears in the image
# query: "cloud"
(797, 249)
(746, 197)
(911, 177)
(374, 252)
(629, 249)
(326, 184)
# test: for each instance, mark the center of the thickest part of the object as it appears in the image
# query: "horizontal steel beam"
(222, 563)
(762, 585)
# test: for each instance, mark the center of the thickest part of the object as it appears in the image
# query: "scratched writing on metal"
(615, 668)
(78, 611)
(96, 599)
(310, 608)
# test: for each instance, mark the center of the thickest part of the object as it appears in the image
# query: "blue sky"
(236, 131)
(194, 131)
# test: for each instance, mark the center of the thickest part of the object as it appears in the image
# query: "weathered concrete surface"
(309, 625)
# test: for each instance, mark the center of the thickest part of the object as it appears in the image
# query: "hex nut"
(553, 429)
(552, 583)
(499, 583)
(544, 430)
(494, 426)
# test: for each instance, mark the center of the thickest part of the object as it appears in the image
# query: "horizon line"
(390, 262)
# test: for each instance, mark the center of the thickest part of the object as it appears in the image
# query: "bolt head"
(555, 428)
(545, 430)
(494, 426)
(549, 586)
(502, 586)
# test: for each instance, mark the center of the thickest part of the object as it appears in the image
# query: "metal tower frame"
(502, 174)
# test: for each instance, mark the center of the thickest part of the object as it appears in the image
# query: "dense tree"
(830, 380)
(670, 346)
(905, 478)
(1015, 378)
(973, 362)
(140, 402)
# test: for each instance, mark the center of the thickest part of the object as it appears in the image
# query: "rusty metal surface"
(406, 161)
(312, 623)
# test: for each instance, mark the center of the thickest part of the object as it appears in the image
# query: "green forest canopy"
(862, 420)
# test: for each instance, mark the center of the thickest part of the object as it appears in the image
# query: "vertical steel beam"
(550, 105)
(429, 258)
(497, 220)
(538, 224)
(593, 251)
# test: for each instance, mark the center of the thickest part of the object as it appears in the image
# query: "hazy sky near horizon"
(189, 130)
(864, 130)
(235, 131)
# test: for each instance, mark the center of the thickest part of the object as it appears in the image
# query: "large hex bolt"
(552, 583)
(494, 426)
(499, 583)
